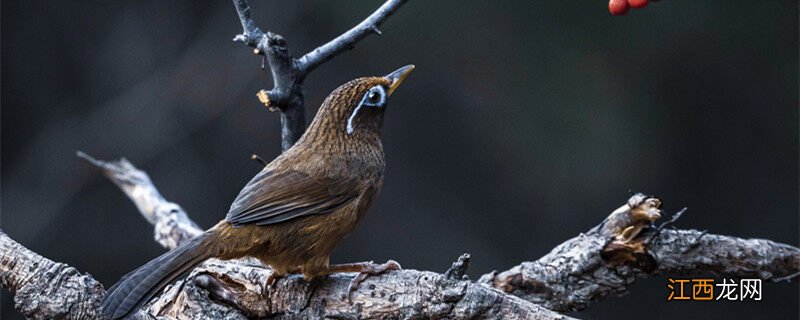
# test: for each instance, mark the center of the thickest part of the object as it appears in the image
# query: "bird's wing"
(273, 197)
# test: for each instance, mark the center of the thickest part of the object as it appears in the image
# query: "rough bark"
(238, 291)
(588, 268)
(607, 259)
(44, 289)
(591, 267)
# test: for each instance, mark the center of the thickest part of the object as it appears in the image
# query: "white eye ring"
(375, 97)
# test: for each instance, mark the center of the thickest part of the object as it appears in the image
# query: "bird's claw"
(370, 269)
(272, 280)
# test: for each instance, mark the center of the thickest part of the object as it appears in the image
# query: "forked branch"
(347, 40)
(591, 267)
(289, 73)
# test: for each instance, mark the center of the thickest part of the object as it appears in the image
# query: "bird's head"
(355, 110)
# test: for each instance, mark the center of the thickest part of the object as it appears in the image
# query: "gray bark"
(588, 268)
(591, 267)
(44, 289)
(606, 260)
(239, 291)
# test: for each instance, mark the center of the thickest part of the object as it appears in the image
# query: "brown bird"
(294, 212)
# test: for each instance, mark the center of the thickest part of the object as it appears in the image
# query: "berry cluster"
(620, 7)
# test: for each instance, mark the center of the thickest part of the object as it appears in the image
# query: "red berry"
(637, 3)
(618, 7)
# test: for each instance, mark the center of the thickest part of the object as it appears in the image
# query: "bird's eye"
(374, 96)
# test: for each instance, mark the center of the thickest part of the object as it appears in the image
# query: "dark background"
(524, 124)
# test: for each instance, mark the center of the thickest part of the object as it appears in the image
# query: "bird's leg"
(276, 275)
(273, 278)
(364, 269)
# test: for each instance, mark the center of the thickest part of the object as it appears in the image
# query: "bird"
(298, 208)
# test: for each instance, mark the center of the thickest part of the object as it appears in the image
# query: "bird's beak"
(397, 77)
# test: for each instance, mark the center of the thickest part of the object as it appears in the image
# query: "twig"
(672, 219)
(787, 278)
(288, 73)
(258, 159)
(671, 222)
(695, 242)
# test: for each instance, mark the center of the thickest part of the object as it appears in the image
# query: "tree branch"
(288, 73)
(603, 262)
(44, 289)
(582, 270)
(233, 290)
(347, 40)
(172, 224)
(607, 259)
(237, 289)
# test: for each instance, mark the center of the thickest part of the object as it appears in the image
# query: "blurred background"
(524, 124)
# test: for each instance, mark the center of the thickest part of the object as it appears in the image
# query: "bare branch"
(172, 224)
(347, 40)
(606, 260)
(251, 34)
(237, 290)
(588, 268)
(583, 270)
(44, 289)
(288, 73)
(233, 290)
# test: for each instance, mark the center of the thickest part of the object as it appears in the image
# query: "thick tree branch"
(236, 288)
(607, 259)
(583, 270)
(44, 289)
(288, 73)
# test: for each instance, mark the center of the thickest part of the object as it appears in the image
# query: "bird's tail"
(137, 287)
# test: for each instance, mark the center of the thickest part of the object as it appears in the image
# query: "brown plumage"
(294, 212)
